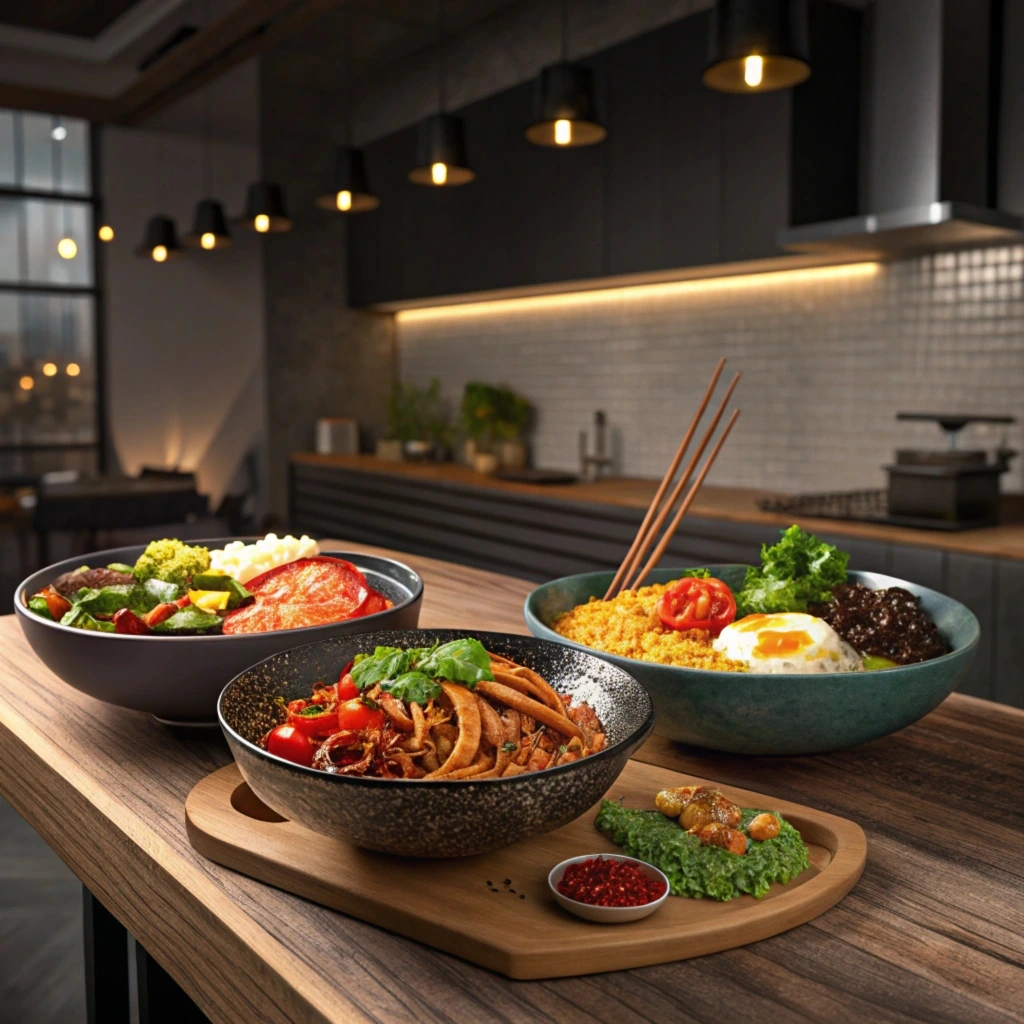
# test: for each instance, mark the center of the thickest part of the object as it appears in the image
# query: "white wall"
(184, 340)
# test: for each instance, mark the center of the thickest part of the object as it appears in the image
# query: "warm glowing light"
(208, 240)
(439, 173)
(50, 369)
(563, 132)
(159, 253)
(72, 369)
(753, 71)
(26, 383)
(67, 249)
(261, 223)
(661, 289)
(106, 233)
(58, 133)
(344, 199)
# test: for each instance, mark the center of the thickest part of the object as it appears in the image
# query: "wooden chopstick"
(641, 540)
(677, 491)
(674, 525)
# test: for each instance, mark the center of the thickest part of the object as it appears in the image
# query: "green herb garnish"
(463, 661)
(412, 687)
(508, 746)
(696, 574)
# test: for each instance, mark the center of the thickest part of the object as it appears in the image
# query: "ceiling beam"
(15, 96)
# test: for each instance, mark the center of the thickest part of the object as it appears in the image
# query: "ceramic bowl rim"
(21, 607)
(531, 618)
(643, 731)
(612, 912)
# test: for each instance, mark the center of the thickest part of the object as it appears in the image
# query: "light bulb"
(50, 369)
(73, 369)
(344, 199)
(26, 383)
(208, 240)
(439, 173)
(753, 71)
(106, 233)
(58, 133)
(563, 132)
(67, 248)
(261, 223)
(159, 253)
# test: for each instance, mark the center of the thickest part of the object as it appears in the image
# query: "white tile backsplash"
(826, 366)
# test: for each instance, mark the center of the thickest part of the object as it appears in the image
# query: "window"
(49, 387)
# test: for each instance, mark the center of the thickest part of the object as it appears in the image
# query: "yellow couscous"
(628, 625)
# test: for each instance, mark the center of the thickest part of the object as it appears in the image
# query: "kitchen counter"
(932, 931)
(729, 504)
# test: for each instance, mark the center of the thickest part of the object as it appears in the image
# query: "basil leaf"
(413, 687)
(459, 661)
(385, 663)
(106, 600)
(79, 618)
(189, 619)
(147, 595)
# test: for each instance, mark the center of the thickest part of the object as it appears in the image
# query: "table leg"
(106, 964)
(156, 997)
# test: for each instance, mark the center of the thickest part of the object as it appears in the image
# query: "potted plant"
(514, 415)
(479, 420)
(416, 420)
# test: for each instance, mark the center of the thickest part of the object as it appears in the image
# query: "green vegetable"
(875, 663)
(412, 687)
(148, 594)
(171, 561)
(696, 574)
(189, 619)
(38, 605)
(79, 618)
(460, 661)
(384, 663)
(312, 711)
(106, 600)
(216, 581)
(798, 571)
(120, 567)
(508, 746)
(697, 870)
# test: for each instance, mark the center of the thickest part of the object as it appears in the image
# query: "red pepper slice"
(128, 623)
(160, 613)
(697, 604)
(56, 603)
(316, 721)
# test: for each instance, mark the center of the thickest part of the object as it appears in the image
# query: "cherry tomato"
(58, 605)
(312, 719)
(697, 604)
(127, 622)
(354, 714)
(347, 689)
(286, 741)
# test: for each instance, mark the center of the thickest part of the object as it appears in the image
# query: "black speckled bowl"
(432, 819)
(178, 678)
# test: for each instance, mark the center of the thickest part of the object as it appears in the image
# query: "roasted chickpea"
(695, 816)
(764, 826)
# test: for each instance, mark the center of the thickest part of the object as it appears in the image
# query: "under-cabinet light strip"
(661, 289)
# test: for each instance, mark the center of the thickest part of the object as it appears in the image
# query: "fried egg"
(787, 642)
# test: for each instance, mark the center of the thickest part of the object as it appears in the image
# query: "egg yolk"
(774, 644)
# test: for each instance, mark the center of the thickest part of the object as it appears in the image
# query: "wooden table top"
(732, 504)
(932, 932)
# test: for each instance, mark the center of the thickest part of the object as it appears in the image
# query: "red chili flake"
(609, 883)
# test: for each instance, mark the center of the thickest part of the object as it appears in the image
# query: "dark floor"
(42, 970)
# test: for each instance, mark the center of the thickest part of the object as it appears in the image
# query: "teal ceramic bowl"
(778, 714)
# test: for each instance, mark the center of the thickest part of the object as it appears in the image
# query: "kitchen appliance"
(592, 467)
(337, 435)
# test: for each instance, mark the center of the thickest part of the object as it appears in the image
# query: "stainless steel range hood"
(930, 136)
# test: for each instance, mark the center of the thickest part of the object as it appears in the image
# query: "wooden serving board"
(496, 909)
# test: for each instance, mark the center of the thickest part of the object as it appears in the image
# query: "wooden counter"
(730, 504)
(933, 931)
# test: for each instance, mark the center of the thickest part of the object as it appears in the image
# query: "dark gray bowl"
(778, 714)
(432, 819)
(178, 678)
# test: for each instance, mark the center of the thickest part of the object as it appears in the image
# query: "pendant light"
(67, 247)
(757, 46)
(265, 211)
(160, 242)
(349, 190)
(564, 111)
(209, 225)
(441, 144)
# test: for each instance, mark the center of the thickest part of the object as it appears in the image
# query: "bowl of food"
(608, 888)
(162, 627)
(794, 656)
(433, 743)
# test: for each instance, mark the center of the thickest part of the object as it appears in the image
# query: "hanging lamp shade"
(160, 241)
(564, 112)
(265, 210)
(441, 153)
(349, 189)
(209, 227)
(757, 45)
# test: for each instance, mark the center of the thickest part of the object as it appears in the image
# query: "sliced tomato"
(347, 689)
(375, 602)
(286, 741)
(160, 613)
(317, 721)
(358, 715)
(57, 604)
(308, 592)
(697, 604)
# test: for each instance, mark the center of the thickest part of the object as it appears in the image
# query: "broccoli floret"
(171, 561)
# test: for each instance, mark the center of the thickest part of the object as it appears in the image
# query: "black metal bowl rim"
(21, 608)
(643, 731)
(956, 652)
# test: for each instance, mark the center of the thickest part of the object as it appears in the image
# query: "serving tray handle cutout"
(495, 910)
